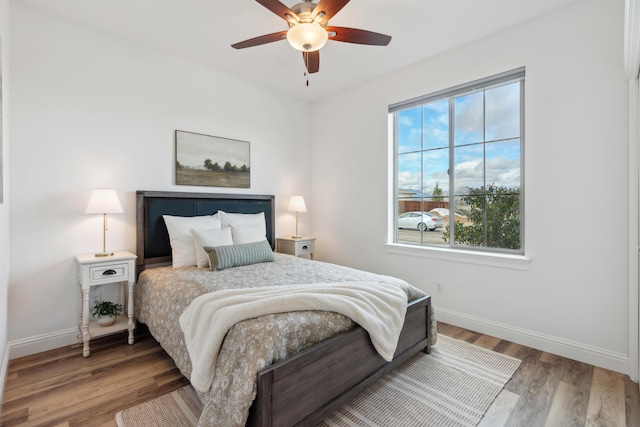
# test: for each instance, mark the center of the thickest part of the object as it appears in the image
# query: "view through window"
(458, 166)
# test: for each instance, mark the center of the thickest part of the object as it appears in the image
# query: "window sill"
(517, 262)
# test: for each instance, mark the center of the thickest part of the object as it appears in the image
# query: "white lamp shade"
(103, 201)
(307, 36)
(296, 204)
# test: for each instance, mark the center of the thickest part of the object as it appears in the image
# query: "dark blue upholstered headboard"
(152, 237)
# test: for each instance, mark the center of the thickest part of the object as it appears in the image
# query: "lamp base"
(101, 254)
(296, 237)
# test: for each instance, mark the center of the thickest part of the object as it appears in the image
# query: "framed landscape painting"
(212, 161)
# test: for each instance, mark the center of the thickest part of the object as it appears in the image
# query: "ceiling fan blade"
(257, 41)
(279, 9)
(329, 7)
(354, 35)
(312, 61)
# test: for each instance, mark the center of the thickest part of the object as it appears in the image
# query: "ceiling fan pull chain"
(306, 61)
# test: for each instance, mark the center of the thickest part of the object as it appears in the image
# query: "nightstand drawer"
(303, 248)
(111, 272)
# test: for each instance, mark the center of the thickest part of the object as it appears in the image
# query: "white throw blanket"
(379, 308)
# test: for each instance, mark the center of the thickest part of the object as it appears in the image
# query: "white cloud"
(503, 112)
(500, 171)
(409, 180)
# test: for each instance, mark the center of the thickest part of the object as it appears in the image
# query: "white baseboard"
(44, 342)
(596, 356)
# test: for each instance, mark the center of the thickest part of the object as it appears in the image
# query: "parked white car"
(419, 221)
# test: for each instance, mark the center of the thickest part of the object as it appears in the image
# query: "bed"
(301, 387)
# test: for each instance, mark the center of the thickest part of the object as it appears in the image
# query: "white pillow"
(213, 237)
(244, 220)
(182, 250)
(247, 234)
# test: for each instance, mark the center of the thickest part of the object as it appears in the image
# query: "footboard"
(308, 387)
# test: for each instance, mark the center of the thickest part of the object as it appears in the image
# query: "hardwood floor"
(61, 388)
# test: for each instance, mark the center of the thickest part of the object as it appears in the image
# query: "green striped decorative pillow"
(222, 257)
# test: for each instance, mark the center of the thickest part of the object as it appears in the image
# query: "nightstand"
(296, 247)
(118, 268)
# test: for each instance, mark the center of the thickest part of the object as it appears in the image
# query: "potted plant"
(106, 312)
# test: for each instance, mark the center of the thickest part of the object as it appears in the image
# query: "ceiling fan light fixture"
(307, 36)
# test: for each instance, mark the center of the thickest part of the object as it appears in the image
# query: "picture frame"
(212, 161)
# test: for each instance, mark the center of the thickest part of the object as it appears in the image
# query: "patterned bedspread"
(162, 294)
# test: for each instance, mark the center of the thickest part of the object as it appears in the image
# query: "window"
(458, 166)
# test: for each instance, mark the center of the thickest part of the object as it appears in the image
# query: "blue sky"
(424, 138)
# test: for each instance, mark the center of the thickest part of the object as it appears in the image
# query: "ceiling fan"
(308, 30)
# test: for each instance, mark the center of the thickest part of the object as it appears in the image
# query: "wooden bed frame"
(311, 385)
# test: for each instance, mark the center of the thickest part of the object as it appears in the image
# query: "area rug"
(452, 386)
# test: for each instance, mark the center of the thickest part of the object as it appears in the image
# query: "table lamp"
(103, 201)
(296, 204)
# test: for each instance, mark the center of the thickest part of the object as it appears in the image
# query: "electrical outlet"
(439, 288)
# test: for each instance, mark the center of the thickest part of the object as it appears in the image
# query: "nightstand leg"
(86, 336)
(132, 322)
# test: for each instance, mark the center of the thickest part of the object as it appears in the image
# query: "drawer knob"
(109, 272)
(305, 247)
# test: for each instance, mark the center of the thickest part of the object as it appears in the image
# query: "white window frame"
(481, 255)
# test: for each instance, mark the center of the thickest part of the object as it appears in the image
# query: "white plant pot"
(106, 320)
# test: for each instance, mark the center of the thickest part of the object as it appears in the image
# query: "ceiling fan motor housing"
(304, 10)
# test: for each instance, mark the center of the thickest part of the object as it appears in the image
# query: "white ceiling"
(203, 30)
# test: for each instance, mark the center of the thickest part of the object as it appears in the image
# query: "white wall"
(90, 110)
(572, 297)
(4, 207)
